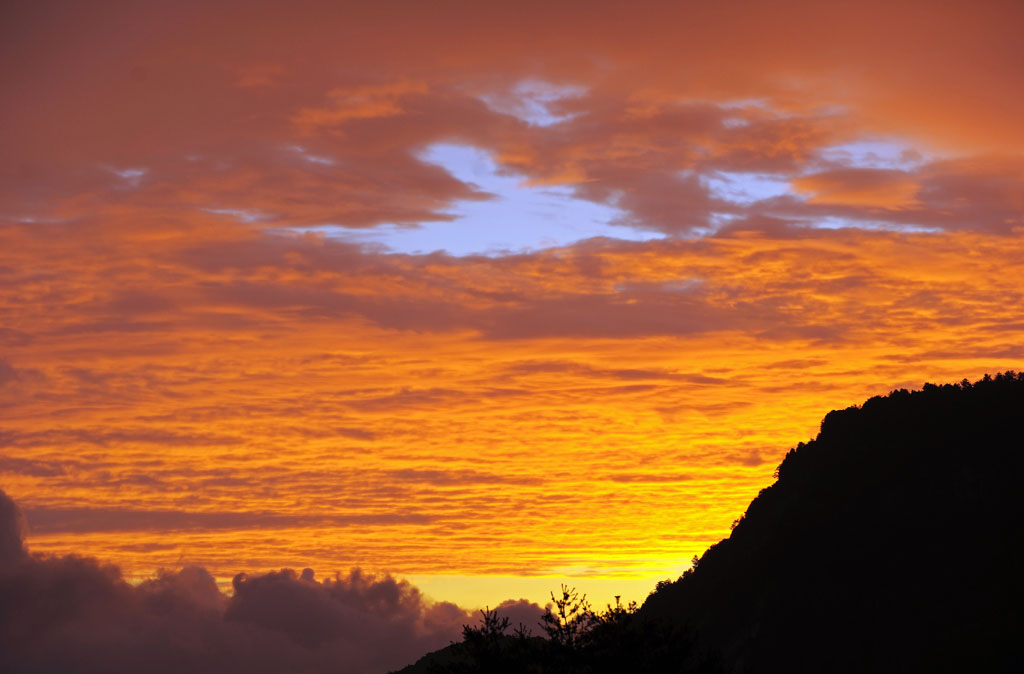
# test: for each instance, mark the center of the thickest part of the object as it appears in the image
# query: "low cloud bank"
(75, 614)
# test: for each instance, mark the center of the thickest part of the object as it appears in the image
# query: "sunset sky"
(488, 296)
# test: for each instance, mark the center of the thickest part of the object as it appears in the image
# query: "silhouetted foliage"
(488, 647)
(891, 542)
(488, 639)
(569, 621)
(581, 641)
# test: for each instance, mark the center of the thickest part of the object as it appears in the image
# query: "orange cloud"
(881, 188)
(361, 102)
(186, 361)
(255, 401)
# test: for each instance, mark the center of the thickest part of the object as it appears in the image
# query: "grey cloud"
(12, 531)
(73, 614)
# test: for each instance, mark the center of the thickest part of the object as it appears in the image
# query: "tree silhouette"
(569, 621)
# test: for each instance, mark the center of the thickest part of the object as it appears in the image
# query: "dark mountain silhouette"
(892, 542)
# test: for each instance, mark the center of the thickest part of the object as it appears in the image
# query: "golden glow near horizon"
(208, 359)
